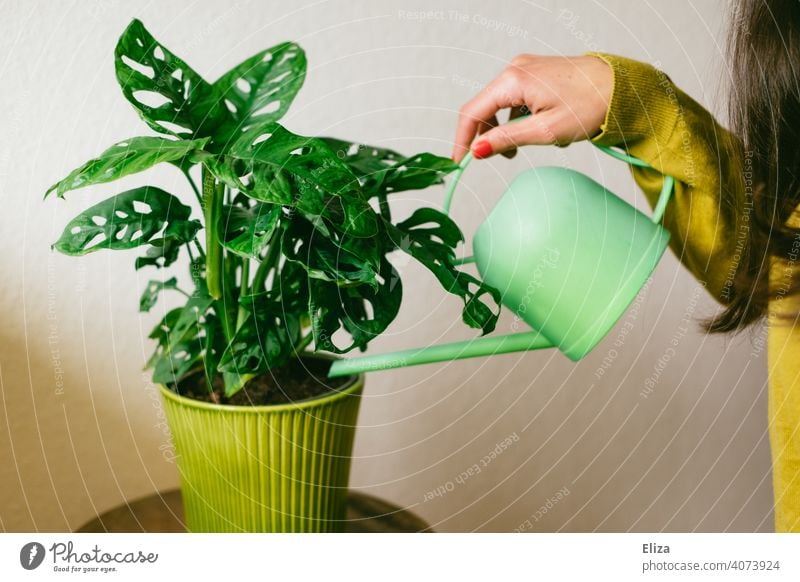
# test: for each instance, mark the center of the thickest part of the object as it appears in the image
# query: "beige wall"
(80, 428)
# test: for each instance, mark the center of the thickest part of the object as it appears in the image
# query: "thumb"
(536, 130)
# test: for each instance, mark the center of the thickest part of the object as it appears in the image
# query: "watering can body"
(567, 256)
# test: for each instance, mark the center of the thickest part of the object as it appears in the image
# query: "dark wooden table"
(163, 513)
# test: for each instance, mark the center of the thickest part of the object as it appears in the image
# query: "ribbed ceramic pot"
(277, 468)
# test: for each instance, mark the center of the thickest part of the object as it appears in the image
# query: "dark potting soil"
(298, 379)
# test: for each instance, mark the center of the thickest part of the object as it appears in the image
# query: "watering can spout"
(485, 346)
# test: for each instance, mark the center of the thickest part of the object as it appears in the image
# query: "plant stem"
(265, 265)
(229, 299)
(383, 205)
(199, 248)
(261, 274)
(216, 269)
(244, 291)
(245, 277)
(303, 343)
(194, 186)
(212, 209)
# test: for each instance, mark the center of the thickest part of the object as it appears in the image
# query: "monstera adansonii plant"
(288, 239)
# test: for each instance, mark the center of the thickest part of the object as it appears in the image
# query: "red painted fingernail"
(481, 150)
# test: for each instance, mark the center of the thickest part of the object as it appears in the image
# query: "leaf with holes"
(169, 96)
(168, 357)
(153, 290)
(363, 312)
(322, 258)
(246, 231)
(365, 161)
(161, 331)
(381, 170)
(299, 229)
(416, 173)
(131, 219)
(265, 339)
(271, 164)
(369, 164)
(261, 89)
(177, 360)
(161, 253)
(183, 322)
(191, 317)
(127, 157)
(430, 237)
(435, 229)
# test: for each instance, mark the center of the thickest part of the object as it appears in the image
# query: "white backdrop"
(630, 438)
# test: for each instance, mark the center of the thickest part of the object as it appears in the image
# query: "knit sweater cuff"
(644, 108)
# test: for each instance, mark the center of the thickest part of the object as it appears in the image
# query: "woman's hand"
(567, 96)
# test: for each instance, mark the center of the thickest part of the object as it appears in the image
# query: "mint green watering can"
(568, 257)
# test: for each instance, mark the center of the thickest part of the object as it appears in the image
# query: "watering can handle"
(667, 187)
(658, 212)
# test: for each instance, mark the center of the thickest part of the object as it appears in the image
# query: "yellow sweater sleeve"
(655, 121)
(708, 217)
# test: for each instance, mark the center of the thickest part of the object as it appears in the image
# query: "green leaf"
(271, 164)
(302, 205)
(162, 252)
(363, 312)
(322, 258)
(246, 231)
(265, 339)
(383, 171)
(177, 360)
(169, 96)
(161, 331)
(130, 219)
(213, 348)
(192, 314)
(430, 237)
(365, 161)
(125, 158)
(271, 330)
(182, 323)
(261, 89)
(176, 353)
(152, 291)
(433, 228)
(416, 173)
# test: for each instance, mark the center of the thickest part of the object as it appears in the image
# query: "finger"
(509, 154)
(520, 111)
(540, 129)
(515, 113)
(492, 123)
(499, 94)
(486, 126)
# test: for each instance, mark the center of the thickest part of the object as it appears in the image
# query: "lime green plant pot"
(278, 468)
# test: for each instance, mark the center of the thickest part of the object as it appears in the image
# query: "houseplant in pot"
(286, 240)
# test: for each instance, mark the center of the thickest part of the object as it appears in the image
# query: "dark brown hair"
(764, 110)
